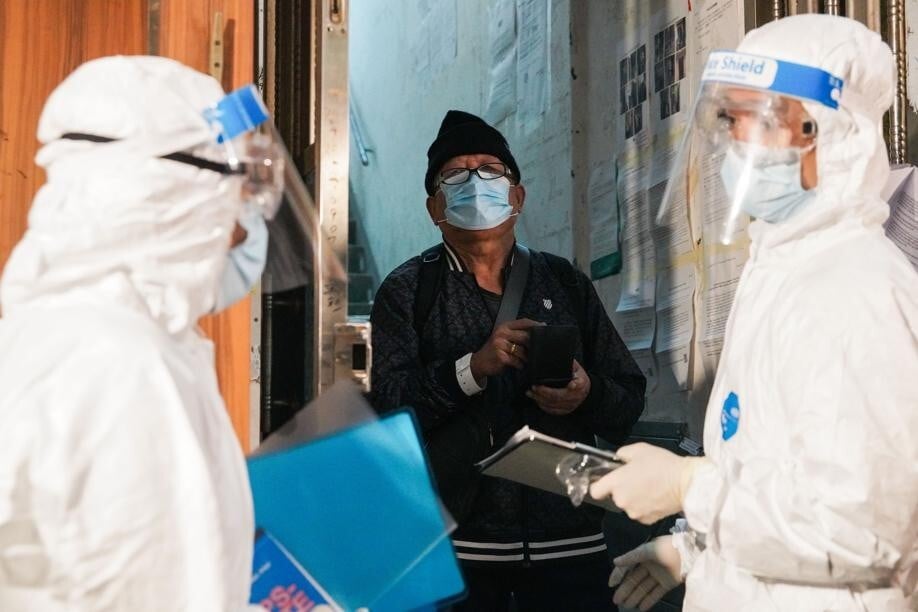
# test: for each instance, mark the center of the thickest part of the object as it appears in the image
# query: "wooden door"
(184, 34)
(42, 41)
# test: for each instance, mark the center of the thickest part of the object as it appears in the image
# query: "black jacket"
(502, 519)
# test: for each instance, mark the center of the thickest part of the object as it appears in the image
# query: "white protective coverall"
(813, 503)
(122, 485)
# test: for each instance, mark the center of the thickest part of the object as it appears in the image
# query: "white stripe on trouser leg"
(568, 553)
(492, 546)
(554, 543)
(471, 557)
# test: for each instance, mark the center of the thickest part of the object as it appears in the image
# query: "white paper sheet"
(723, 268)
(638, 256)
(502, 89)
(676, 321)
(676, 277)
(605, 257)
(673, 370)
(501, 28)
(636, 327)
(533, 62)
(902, 225)
(666, 146)
(675, 296)
(719, 24)
(645, 360)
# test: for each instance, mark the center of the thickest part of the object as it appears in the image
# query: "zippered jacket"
(501, 521)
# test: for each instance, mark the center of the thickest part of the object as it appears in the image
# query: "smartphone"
(550, 356)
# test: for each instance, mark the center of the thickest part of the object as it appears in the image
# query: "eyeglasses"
(486, 172)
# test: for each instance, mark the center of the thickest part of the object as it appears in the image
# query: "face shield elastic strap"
(182, 158)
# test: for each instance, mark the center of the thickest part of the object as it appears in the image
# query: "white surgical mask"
(774, 191)
(245, 262)
(478, 204)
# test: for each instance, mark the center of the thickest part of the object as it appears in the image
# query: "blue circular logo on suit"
(729, 416)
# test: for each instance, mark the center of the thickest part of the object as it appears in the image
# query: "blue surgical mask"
(245, 261)
(774, 192)
(478, 204)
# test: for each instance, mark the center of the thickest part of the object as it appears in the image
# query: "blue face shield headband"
(744, 123)
(772, 75)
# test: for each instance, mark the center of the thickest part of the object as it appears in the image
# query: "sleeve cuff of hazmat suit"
(703, 497)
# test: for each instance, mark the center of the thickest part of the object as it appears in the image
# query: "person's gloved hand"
(651, 484)
(649, 572)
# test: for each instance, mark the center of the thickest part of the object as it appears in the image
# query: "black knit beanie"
(465, 134)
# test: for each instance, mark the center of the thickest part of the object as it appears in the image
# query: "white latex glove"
(651, 484)
(650, 571)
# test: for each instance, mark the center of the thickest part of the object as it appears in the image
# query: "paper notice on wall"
(502, 90)
(636, 327)
(645, 360)
(633, 91)
(723, 266)
(675, 267)
(676, 282)
(676, 320)
(533, 62)
(669, 75)
(712, 208)
(902, 224)
(719, 24)
(637, 247)
(672, 370)
(667, 143)
(501, 28)
(605, 256)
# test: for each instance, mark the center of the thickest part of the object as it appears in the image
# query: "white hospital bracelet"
(464, 375)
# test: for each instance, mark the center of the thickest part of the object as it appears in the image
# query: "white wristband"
(464, 375)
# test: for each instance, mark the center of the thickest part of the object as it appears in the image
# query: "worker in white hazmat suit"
(808, 496)
(122, 484)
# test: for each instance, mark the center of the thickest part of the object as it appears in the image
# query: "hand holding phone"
(551, 355)
(559, 402)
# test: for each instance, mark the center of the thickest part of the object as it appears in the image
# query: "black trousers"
(572, 587)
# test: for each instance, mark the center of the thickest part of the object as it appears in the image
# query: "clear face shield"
(744, 151)
(247, 144)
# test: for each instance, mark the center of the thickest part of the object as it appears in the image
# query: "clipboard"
(530, 458)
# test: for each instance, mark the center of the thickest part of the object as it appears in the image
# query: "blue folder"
(279, 582)
(358, 510)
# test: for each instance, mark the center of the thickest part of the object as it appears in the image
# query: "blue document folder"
(279, 583)
(358, 510)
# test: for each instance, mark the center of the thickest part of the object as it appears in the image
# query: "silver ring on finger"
(512, 348)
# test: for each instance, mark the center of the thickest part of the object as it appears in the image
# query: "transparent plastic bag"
(577, 471)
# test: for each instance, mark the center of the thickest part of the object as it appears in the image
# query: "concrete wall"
(400, 104)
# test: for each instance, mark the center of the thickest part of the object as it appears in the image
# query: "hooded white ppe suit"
(813, 503)
(122, 485)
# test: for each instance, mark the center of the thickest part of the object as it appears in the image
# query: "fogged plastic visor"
(746, 133)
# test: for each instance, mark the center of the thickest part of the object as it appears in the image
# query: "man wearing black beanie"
(450, 338)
